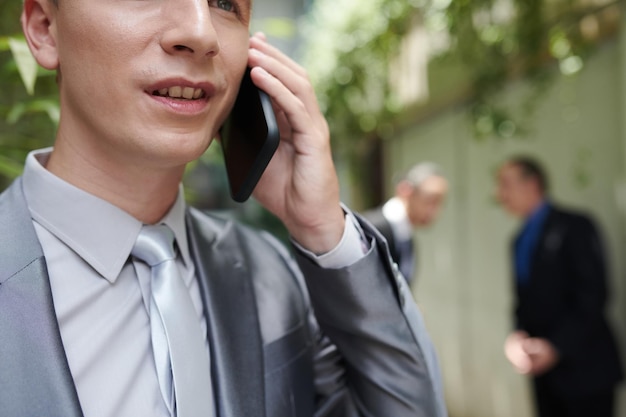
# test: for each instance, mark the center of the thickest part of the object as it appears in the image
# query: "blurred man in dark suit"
(561, 337)
(418, 198)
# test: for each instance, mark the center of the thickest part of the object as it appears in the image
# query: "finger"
(525, 369)
(531, 346)
(259, 35)
(294, 109)
(282, 98)
(260, 43)
(522, 334)
(296, 81)
(522, 365)
(283, 125)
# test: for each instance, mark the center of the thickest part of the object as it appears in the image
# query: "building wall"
(278, 19)
(463, 283)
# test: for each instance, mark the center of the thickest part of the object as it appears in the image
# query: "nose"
(501, 197)
(190, 29)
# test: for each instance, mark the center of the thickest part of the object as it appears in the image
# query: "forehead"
(246, 5)
(510, 172)
(434, 185)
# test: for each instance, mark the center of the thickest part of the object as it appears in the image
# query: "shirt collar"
(395, 213)
(175, 220)
(101, 233)
(539, 213)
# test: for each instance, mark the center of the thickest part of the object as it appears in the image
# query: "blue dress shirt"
(527, 242)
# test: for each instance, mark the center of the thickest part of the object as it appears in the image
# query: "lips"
(180, 92)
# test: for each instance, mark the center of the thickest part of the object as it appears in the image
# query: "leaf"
(17, 110)
(9, 167)
(54, 112)
(48, 106)
(4, 43)
(26, 64)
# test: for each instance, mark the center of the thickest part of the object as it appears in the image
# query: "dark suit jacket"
(270, 355)
(375, 216)
(564, 302)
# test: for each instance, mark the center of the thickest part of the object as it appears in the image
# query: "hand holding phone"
(300, 186)
(249, 139)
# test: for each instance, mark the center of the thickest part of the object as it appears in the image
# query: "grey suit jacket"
(364, 352)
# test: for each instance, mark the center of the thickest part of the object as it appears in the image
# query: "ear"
(38, 24)
(404, 189)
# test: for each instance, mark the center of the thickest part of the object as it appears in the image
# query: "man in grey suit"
(144, 88)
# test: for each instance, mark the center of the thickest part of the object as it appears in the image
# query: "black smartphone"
(249, 138)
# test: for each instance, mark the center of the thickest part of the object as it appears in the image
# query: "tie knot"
(155, 244)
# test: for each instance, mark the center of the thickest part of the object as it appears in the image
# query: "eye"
(226, 5)
(240, 9)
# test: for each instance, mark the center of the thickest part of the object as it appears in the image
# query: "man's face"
(424, 203)
(148, 78)
(514, 191)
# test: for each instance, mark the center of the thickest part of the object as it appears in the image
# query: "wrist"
(320, 238)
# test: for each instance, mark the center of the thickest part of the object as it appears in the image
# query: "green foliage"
(29, 111)
(351, 45)
(499, 41)
(25, 62)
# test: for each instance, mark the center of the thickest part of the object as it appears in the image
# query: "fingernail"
(261, 71)
(256, 53)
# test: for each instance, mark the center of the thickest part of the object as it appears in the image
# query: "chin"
(174, 155)
(185, 156)
(189, 147)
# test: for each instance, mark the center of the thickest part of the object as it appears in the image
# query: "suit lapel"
(548, 242)
(230, 306)
(35, 377)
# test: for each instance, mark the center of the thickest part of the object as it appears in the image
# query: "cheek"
(235, 67)
(228, 99)
(415, 214)
(80, 56)
(92, 36)
(234, 45)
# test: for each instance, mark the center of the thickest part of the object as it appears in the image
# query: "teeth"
(187, 93)
(176, 92)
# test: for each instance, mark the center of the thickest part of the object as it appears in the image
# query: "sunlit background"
(462, 83)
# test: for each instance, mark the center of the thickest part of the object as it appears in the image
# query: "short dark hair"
(531, 168)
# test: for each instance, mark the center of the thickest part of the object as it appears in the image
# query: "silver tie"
(180, 355)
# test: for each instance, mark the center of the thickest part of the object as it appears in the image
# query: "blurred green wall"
(463, 282)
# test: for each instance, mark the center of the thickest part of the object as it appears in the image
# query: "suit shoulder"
(575, 220)
(572, 214)
(15, 221)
